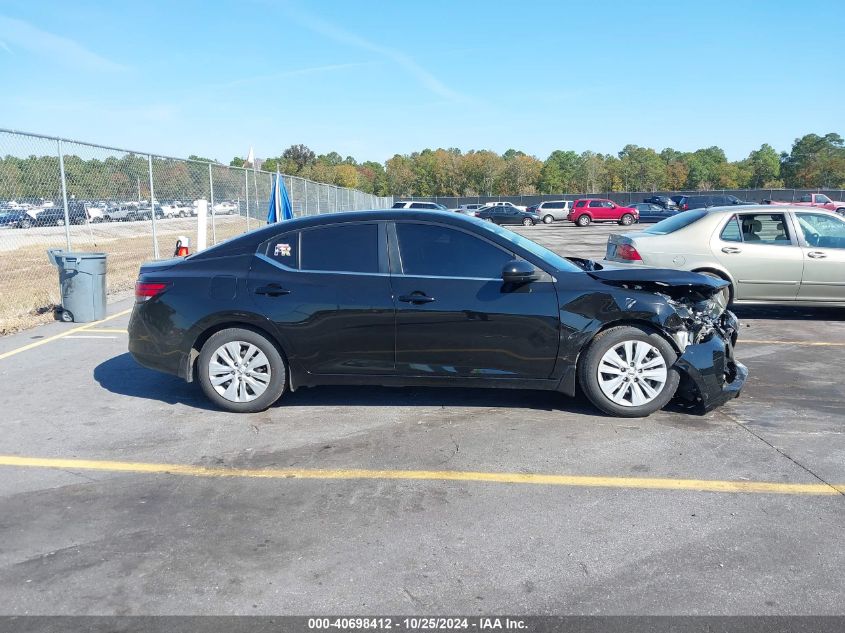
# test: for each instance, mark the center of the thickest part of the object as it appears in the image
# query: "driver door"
(823, 244)
(455, 317)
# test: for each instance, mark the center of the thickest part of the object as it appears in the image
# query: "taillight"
(146, 290)
(685, 207)
(628, 252)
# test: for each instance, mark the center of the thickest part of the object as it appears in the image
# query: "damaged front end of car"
(702, 328)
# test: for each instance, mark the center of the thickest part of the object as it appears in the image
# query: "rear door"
(822, 237)
(762, 254)
(455, 317)
(598, 210)
(327, 291)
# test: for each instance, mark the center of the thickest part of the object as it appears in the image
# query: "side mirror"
(519, 272)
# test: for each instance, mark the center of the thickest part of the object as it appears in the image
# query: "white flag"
(250, 158)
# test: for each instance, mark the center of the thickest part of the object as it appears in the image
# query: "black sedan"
(55, 216)
(507, 215)
(407, 298)
(15, 218)
(652, 212)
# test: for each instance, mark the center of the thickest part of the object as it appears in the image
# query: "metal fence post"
(211, 197)
(153, 206)
(64, 192)
(255, 189)
(319, 188)
(305, 180)
(246, 196)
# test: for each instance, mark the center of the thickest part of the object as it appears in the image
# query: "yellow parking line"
(107, 330)
(50, 339)
(805, 343)
(698, 485)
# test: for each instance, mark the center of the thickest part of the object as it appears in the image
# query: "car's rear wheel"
(626, 220)
(548, 219)
(628, 371)
(528, 222)
(26, 224)
(583, 220)
(60, 222)
(241, 370)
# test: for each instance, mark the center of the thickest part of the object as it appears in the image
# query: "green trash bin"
(82, 281)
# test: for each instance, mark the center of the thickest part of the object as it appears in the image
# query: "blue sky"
(374, 78)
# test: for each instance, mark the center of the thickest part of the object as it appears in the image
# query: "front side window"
(764, 228)
(349, 248)
(822, 199)
(820, 230)
(440, 251)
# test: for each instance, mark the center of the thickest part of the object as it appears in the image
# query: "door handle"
(416, 297)
(817, 254)
(731, 250)
(272, 290)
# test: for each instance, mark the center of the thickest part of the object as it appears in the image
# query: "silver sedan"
(769, 255)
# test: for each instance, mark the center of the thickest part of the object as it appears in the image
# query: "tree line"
(814, 161)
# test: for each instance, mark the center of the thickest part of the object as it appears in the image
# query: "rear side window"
(581, 203)
(284, 249)
(731, 232)
(676, 222)
(398, 205)
(421, 205)
(441, 251)
(351, 248)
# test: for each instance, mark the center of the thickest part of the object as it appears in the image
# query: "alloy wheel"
(632, 373)
(239, 371)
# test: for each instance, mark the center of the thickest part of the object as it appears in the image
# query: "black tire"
(583, 220)
(26, 224)
(548, 219)
(66, 316)
(626, 220)
(528, 222)
(278, 370)
(588, 370)
(60, 222)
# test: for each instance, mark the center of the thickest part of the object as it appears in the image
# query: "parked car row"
(24, 216)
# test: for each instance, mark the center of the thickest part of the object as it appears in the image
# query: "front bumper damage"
(711, 376)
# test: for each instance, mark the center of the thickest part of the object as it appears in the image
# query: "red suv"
(588, 210)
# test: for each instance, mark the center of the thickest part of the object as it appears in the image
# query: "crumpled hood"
(674, 283)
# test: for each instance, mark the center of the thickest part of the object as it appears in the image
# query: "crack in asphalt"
(808, 470)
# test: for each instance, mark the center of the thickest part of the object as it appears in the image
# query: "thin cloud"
(342, 36)
(20, 34)
(297, 72)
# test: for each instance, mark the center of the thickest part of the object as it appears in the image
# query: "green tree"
(559, 171)
(764, 164)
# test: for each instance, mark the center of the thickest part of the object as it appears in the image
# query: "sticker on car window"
(282, 250)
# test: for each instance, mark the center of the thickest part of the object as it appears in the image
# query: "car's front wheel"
(241, 370)
(629, 372)
(528, 222)
(626, 220)
(548, 219)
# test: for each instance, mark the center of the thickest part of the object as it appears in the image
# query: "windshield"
(676, 222)
(534, 248)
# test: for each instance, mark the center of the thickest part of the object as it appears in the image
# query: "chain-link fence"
(56, 193)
